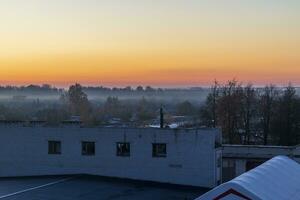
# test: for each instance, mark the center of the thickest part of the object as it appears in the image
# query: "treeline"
(31, 88)
(249, 115)
(75, 102)
(137, 89)
(50, 88)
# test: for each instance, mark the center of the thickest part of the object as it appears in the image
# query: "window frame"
(85, 151)
(120, 153)
(155, 153)
(54, 147)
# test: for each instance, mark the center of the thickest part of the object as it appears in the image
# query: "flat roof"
(90, 187)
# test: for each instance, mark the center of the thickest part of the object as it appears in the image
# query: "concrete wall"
(238, 156)
(191, 154)
(255, 151)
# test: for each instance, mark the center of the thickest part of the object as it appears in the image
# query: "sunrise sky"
(158, 42)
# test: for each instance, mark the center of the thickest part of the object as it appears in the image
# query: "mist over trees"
(114, 108)
(246, 114)
(100, 94)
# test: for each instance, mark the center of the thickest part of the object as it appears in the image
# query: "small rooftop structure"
(276, 179)
(238, 159)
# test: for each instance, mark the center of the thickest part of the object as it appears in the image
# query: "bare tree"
(209, 111)
(267, 100)
(245, 113)
(248, 112)
(288, 118)
(229, 109)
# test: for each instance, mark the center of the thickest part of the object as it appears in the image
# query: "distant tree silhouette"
(185, 108)
(139, 89)
(248, 112)
(287, 122)
(229, 109)
(78, 102)
(145, 110)
(149, 89)
(208, 113)
(266, 108)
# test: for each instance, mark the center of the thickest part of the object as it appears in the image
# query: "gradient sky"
(157, 42)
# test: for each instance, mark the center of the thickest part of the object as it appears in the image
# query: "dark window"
(219, 161)
(228, 170)
(123, 149)
(54, 147)
(88, 148)
(159, 150)
(252, 164)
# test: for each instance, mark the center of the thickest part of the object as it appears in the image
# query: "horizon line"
(66, 86)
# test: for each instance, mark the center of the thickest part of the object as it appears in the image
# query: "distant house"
(73, 120)
(173, 122)
(180, 121)
(19, 98)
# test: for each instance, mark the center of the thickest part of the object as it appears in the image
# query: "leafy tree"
(185, 108)
(139, 89)
(149, 89)
(112, 106)
(79, 103)
(145, 110)
(3, 112)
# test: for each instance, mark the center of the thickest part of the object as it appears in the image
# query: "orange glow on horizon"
(156, 70)
(160, 43)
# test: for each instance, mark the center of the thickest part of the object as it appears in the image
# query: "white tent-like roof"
(276, 179)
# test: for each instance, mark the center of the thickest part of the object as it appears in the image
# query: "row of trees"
(30, 89)
(75, 102)
(248, 115)
(46, 88)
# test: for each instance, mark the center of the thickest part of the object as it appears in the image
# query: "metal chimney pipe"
(161, 118)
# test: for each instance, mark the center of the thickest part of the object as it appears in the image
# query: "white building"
(276, 179)
(181, 156)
